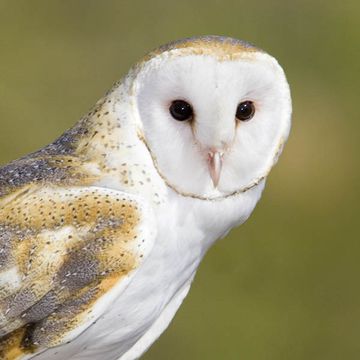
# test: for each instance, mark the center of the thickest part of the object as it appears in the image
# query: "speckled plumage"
(50, 204)
(98, 246)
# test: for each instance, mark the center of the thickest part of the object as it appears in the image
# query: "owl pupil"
(181, 110)
(245, 110)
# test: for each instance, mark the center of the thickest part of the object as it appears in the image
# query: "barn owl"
(102, 231)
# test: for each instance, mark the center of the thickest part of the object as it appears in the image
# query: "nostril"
(219, 149)
(213, 153)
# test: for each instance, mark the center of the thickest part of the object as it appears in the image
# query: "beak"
(215, 164)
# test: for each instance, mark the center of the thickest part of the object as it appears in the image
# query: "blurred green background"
(286, 284)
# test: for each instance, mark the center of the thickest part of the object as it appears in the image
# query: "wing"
(65, 254)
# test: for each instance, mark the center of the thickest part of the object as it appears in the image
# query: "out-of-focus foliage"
(286, 284)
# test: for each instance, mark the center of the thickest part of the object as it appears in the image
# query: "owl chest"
(185, 230)
(171, 265)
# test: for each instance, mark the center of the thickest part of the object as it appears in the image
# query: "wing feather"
(65, 254)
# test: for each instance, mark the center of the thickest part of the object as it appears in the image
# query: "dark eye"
(245, 110)
(181, 110)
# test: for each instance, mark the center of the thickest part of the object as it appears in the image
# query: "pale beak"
(215, 164)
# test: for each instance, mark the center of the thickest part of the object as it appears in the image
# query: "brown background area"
(286, 284)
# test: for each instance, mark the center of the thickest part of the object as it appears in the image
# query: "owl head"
(214, 113)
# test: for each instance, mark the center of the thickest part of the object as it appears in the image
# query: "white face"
(211, 151)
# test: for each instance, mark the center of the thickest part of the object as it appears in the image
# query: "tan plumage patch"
(11, 345)
(65, 248)
(222, 47)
